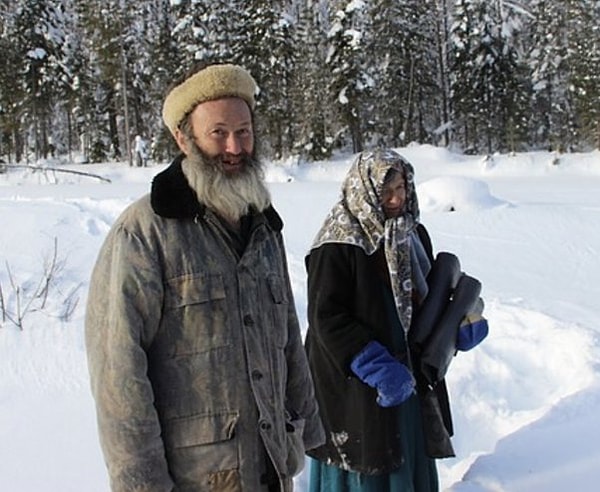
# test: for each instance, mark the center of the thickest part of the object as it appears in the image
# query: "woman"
(366, 275)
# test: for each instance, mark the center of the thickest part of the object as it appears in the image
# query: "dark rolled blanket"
(441, 345)
(441, 280)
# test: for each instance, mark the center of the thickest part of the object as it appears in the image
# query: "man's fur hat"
(208, 84)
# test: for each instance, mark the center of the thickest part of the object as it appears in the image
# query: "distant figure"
(141, 151)
(368, 270)
(195, 352)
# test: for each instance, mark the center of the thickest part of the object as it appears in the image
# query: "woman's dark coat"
(345, 312)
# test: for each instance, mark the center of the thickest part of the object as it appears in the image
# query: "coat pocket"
(202, 450)
(295, 446)
(280, 306)
(225, 481)
(195, 314)
(192, 289)
(201, 429)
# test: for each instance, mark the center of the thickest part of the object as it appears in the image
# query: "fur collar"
(172, 197)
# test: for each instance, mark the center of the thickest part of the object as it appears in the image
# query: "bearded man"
(194, 348)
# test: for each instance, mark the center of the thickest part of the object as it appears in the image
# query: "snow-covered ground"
(525, 402)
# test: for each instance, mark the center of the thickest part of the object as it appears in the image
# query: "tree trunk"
(442, 52)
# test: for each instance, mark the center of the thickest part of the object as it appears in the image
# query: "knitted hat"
(210, 83)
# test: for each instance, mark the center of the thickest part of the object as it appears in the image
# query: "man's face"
(222, 129)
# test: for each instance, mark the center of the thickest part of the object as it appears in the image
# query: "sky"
(525, 402)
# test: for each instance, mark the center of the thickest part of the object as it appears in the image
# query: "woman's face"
(394, 196)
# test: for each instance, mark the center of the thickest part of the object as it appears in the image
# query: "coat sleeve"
(331, 283)
(122, 314)
(300, 393)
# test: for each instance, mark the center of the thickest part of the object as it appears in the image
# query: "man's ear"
(181, 141)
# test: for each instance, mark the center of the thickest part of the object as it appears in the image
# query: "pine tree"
(402, 65)
(38, 39)
(150, 59)
(11, 88)
(164, 60)
(462, 66)
(552, 117)
(585, 46)
(345, 59)
(203, 30)
(313, 117)
(441, 34)
(104, 26)
(488, 88)
(268, 52)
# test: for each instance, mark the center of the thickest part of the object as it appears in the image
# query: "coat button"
(247, 320)
(257, 375)
(264, 425)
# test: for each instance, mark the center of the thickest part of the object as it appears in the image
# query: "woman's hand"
(375, 366)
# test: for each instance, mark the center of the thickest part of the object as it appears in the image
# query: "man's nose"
(232, 144)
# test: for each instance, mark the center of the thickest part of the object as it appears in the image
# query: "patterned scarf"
(358, 219)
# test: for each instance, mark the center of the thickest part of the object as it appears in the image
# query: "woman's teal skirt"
(418, 473)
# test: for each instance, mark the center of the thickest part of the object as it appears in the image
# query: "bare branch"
(2, 305)
(69, 304)
(31, 300)
(51, 270)
(58, 170)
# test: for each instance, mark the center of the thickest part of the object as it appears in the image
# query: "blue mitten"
(472, 330)
(375, 366)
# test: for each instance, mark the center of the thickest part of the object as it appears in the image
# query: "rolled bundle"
(440, 347)
(441, 280)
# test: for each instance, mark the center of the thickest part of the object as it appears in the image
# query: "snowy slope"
(524, 403)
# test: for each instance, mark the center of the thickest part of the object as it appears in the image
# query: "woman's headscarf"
(359, 219)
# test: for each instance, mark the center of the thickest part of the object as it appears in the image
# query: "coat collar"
(172, 197)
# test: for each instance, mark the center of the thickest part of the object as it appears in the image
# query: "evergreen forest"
(84, 77)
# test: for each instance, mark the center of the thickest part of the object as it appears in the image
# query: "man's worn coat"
(195, 354)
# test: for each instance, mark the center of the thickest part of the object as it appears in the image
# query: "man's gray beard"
(230, 195)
